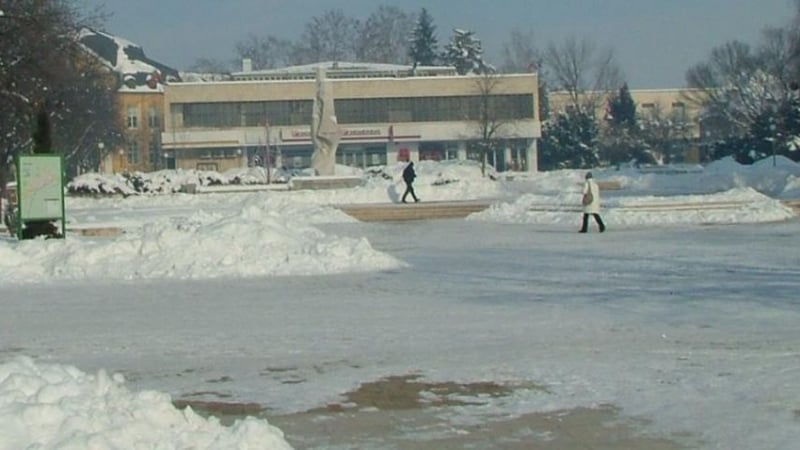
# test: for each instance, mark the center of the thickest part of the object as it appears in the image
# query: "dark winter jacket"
(409, 174)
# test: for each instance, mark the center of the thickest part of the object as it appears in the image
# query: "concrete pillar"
(532, 157)
(462, 151)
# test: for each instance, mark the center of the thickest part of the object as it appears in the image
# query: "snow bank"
(259, 239)
(742, 205)
(54, 406)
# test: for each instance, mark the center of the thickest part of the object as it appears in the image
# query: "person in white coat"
(591, 204)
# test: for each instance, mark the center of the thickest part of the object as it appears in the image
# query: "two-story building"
(386, 113)
(140, 83)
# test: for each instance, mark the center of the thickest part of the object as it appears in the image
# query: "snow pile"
(95, 183)
(57, 406)
(273, 233)
(259, 239)
(742, 205)
(446, 180)
(168, 181)
(779, 181)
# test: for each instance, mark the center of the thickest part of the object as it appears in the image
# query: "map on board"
(40, 187)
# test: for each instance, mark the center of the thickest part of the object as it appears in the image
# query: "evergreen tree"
(465, 53)
(423, 41)
(621, 141)
(622, 109)
(569, 142)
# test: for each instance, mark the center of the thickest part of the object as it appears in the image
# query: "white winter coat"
(594, 207)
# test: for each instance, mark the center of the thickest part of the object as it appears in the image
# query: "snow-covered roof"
(342, 69)
(135, 70)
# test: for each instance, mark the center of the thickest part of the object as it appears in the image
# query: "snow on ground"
(55, 406)
(264, 237)
(740, 205)
(110, 309)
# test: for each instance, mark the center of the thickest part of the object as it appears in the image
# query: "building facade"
(649, 102)
(140, 83)
(385, 113)
(141, 113)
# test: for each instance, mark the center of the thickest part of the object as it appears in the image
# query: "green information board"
(40, 188)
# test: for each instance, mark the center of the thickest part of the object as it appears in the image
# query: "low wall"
(401, 212)
(298, 183)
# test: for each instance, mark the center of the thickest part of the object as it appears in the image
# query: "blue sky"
(655, 41)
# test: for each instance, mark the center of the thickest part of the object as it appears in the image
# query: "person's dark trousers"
(410, 190)
(597, 219)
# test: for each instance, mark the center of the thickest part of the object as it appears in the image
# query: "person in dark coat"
(408, 177)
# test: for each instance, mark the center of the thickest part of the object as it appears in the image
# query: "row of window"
(359, 111)
(361, 157)
(153, 117)
(133, 154)
(678, 110)
(211, 153)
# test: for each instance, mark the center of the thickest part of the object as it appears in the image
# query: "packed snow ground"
(209, 297)
(272, 233)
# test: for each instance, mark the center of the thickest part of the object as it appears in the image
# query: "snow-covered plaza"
(683, 315)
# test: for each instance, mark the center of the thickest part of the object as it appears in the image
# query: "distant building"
(667, 102)
(140, 87)
(650, 103)
(387, 113)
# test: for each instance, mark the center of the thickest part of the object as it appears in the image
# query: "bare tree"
(492, 115)
(384, 36)
(328, 37)
(666, 135)
(43, 66)
(748, 94)
(265, 52)
(209, 65)
(85, 114)
(520, 54)
(793, 31)
(734, 86)
(775, 53)
(584, 72)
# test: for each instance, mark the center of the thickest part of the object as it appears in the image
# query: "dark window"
(432, 109)
(351, 111)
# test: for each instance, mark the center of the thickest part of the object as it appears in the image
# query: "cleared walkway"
(395, 212)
